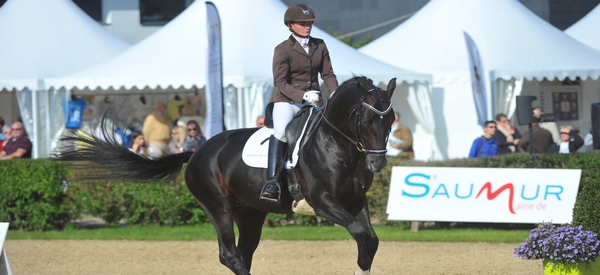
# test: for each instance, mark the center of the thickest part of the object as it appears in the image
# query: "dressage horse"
(334, 172)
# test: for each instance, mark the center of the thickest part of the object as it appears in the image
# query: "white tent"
(587, 29)
(514, 44)
(176, 56)
(47, 38)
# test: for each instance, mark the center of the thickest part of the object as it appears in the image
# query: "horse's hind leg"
(249, 222)
(229, 255)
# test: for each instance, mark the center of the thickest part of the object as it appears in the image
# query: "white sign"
(504, 195)
(4, 265)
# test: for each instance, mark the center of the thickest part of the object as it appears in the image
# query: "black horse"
(334, 173)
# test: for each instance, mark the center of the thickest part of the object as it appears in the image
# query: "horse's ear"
(391, 87)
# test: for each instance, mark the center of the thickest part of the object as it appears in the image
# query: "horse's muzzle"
(376, 162)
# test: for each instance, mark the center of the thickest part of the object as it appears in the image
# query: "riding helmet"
(298, 13)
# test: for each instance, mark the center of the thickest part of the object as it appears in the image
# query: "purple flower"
(564, 244)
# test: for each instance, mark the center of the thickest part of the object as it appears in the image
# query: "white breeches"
(283, 112)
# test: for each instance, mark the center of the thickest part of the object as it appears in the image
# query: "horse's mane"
(367, 83)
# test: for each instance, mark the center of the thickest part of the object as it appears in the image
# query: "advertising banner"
(501, 195)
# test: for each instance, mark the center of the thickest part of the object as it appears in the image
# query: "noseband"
(357, 132)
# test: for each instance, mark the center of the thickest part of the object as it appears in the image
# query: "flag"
(477, 80)
(213, 123)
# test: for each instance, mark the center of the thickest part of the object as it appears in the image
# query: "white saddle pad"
(255, 154)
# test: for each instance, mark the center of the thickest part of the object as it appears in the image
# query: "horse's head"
(372, 119)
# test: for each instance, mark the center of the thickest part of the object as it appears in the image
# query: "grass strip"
(291, 233)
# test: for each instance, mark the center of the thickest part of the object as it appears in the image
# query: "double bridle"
(357, 132)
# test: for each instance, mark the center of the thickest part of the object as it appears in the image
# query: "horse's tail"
(90, 152)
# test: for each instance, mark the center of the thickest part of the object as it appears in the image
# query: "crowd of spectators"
(500, 137)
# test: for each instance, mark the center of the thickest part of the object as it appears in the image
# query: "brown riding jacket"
(295, 71)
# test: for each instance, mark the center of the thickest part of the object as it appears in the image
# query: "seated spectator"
(2, 137)
(6, 135)
(400, 140)
(485, 146)
(194, 138)
(548, 125)
(18, 146)
(541, 142)
(506, 135)
(569, 143)
(138, 145)
(588, 142)
(260, 121)
(178, 134)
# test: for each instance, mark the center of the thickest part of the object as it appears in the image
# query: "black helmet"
(299, 13)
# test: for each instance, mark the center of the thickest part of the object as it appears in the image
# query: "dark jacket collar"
(295, 45)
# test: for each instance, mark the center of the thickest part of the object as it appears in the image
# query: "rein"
(359, 145)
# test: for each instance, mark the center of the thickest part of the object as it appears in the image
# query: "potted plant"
(564, 249)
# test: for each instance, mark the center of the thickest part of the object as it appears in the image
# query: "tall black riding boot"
(271, 190)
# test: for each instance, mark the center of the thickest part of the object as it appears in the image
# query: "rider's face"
(302, 28)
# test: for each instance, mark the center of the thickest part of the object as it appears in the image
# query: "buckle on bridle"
(360, 147)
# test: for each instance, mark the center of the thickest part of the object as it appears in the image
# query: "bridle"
(355, 115)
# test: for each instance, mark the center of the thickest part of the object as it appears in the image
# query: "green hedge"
(32, 194)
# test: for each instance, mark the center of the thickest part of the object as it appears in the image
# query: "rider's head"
(299, 19)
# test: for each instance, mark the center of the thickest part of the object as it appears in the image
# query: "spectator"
(400, 140)
(194, 138)
(570, 141)
(260, 121)
(485, 146)
(2, 137)
(506, 135)
(6, 135)
(588, 141)
(549, 125)
(18, 146)
(137, 144)
(156, 130)
(542, 139)
(178, 135)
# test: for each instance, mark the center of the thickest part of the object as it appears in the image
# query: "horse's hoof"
(362, 272)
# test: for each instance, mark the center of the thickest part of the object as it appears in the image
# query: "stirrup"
(262, 191)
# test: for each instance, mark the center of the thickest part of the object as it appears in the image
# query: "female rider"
(297, 62)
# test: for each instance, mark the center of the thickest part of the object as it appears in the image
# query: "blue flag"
(477, 80)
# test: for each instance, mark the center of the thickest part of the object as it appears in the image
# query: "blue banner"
(477, 80)
(213, 123)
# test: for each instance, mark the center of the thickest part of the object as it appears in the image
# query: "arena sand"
(272, 257)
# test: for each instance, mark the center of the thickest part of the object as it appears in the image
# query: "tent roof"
(587, 29)
(49, 38)
(176, 54)
(512, 42)
(172, 56)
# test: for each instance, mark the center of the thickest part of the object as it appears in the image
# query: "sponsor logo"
(420, 185)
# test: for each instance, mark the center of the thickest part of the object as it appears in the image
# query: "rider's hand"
(312, 97)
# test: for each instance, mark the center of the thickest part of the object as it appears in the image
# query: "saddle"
(297, 129)
(298, 133)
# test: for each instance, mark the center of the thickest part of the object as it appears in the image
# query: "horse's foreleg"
(371, 241)
(364, 235)
(249, 222)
